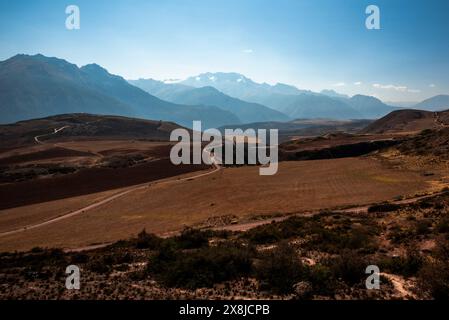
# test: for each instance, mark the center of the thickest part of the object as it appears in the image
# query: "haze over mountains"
(245, 111)
(38, 86)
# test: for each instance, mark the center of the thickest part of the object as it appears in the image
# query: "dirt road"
(173, 180)
(36, 138)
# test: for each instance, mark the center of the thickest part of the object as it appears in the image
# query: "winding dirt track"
(36, 138)
(241, 227)
(109, 199)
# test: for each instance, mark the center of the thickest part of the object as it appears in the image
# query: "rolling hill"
(409, 120)
(39, 86)
(82, 126)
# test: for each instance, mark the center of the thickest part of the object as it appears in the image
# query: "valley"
(358, 182)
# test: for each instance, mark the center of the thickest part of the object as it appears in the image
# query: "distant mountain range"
(437, 103)
(292, 101)
(38, 86)
(179, 93)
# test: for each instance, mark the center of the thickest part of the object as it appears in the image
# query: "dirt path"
(36, 138)
(113, 197)
(400, 285)
(358, 209)
(241, 227)
(438, 121)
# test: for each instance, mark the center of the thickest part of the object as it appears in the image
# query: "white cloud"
(395, 87)
(248, 51)
(358, 83)
(432, 85)
(339, 84)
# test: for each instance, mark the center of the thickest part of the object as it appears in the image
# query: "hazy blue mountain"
(38, 86)
(309, 106)
(160, 89)
(370, 107)
(436, 103)
(334, 94)
(246, 111)
(238, 86)
(292, 101)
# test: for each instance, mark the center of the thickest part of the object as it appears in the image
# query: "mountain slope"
(409, 120)
(247, 112)
(164, 91)
(83, 125)
(309, 106)
(238, 86)
(369, 107)
(436, 103)
(292, 101)
(38, 86)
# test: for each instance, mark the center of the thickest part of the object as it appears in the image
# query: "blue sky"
(313, 44)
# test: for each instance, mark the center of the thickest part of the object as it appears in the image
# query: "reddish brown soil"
(56, 152)
(88, 181)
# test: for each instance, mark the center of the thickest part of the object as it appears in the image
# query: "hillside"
(307, 106)
(38, 86)
(81, 126)
(429, 142)
(408, 120)
(437, 103)
(245, 111)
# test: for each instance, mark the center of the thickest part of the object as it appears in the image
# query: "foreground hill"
(81, 126)
(409, 121)
(38, 86)
(428, 142)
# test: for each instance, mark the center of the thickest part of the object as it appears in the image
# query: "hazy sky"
(313, 44)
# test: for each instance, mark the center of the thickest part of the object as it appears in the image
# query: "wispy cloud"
(358, 83)
(248, 51)
(339, 84)
(432, 85)
(395, 87)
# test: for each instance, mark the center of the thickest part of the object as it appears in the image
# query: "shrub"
(434, 275)
(201, 268)
(383, 207)
(280, 268)
(275, 232)
(443, 225)
(408, 265)
(193, 239)
(147, 241)
(423, 227)
(349, 267)
(336, 240)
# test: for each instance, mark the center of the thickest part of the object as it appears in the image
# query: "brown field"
(297, 187)
(88, 179)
